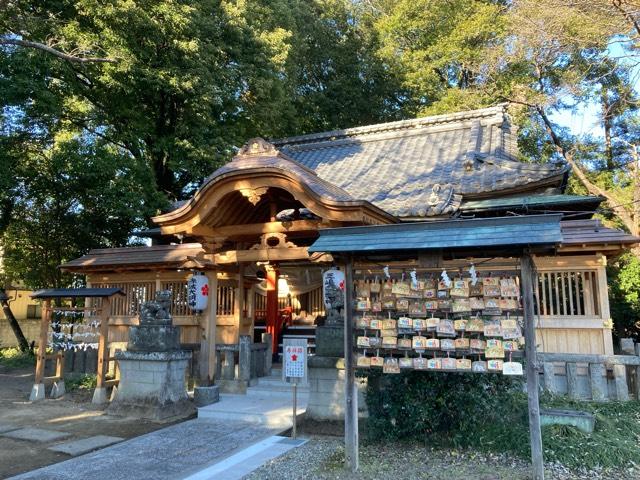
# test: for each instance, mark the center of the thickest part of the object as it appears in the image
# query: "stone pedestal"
(326, 390)
(330, 341)
(152, 385)
(153, 338)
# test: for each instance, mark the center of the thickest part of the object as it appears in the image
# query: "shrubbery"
(433, 404)
(14, 358)
(489, 413)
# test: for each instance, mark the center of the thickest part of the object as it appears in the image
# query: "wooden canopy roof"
(576, 236)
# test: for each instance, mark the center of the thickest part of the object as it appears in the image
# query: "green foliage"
(489, 413)
(80, 382)
(624, 289)
(428, 405)
(14, 358)
(89, 151)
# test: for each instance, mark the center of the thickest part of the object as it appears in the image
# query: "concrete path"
(229, 440)
(170, 453)
(246, 461)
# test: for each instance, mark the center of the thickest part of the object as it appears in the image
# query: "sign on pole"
(295, 360)
(294, 369)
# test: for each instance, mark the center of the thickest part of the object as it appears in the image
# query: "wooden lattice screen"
(226, 300)
(567, 293)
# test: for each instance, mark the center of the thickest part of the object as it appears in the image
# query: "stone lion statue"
(158, 311)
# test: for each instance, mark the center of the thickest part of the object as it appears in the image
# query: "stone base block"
(326, 390)
(233, 386)
(58, 390)
(206, 395)
(330, 341)
(153, 410)
(37, 392)
(152, 385)
(99, 396)
(581, 420)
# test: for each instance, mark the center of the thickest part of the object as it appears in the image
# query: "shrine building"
(249, 226)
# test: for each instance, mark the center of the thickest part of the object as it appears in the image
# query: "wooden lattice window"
(226, 300)
(135, 294)
(179, 298)
(568, 293)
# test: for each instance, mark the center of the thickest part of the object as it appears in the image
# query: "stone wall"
(30, 328)
(326, 390)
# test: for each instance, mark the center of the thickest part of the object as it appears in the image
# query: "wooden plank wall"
(572, 305)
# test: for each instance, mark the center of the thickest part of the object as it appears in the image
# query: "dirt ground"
(73, 414)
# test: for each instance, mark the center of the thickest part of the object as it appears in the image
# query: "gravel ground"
(321, 458)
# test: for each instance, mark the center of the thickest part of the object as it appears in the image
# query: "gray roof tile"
(396, 166)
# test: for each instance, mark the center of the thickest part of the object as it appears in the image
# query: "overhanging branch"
(46, 48)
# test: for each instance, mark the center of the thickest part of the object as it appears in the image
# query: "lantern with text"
(198, 292)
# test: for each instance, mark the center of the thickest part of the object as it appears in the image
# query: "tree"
(558, 55)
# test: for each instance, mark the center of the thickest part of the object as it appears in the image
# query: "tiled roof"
(590, 232)
(174, 256)
(425, 166)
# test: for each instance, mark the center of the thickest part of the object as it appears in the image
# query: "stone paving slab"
(5, 427)
(247, 460)
(167, 454)
(85, 445)
(35, 434)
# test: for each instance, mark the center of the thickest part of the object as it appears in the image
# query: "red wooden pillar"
(273, 317)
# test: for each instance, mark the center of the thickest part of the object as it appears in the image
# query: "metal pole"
(351, 394)
(295, 407)
(527, 269)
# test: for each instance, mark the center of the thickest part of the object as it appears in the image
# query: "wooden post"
(100, 393)
(272, 308)
(208, 339)
(37, 392)
(350, 389)
(535, 435)
(603, 299)
(58, 389)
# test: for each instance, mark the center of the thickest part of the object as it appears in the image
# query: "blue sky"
(584, 119)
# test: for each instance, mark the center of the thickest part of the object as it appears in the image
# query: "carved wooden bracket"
(273, 240)
(253, 194)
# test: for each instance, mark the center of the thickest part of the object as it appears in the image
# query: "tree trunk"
(23, 344)
(626, 216)
(606, 123)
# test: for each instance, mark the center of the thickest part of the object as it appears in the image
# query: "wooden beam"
(256, 229)
(350, 388)
(529, 279)
(262, 255)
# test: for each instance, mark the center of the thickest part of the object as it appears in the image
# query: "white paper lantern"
(198, 292)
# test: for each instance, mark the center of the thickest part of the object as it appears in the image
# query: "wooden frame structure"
(379, 244)
(58, 389)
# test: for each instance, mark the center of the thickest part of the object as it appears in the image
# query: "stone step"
(272, 409)
(276, 386)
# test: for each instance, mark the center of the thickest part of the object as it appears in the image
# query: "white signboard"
(294, 359)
